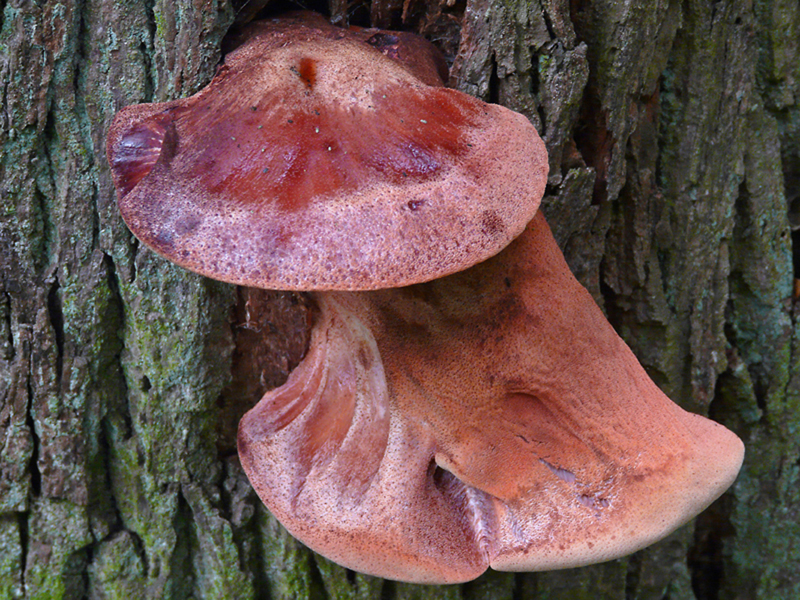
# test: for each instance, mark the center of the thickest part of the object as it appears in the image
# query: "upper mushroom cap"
(321, 158)
(491, 418)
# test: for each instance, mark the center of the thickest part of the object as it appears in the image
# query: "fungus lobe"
(490, 418)
(322, 158)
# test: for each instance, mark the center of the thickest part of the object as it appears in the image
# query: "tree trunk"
(674, 137)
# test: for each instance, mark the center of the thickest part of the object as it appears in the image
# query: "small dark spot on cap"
(364, 357)
(492, 224)
(187, 225)
(243, 447)
(163, 240)
(415, 204)
(508, 282)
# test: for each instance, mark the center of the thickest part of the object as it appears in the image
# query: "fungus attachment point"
(292, 170)
(491, 418)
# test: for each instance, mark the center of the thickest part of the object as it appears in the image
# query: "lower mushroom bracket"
(490, 418)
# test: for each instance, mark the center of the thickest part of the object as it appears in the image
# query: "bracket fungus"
(490, 418)
(317, 158)
(463, 402)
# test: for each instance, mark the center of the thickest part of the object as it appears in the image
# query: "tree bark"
(674, 137)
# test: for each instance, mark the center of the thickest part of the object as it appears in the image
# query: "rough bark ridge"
(674, 133)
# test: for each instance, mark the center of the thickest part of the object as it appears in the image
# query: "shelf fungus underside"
(492, 418)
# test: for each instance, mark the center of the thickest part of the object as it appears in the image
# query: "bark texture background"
(674, 133)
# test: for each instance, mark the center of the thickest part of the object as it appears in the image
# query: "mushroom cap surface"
(489, 419)
(326, 159)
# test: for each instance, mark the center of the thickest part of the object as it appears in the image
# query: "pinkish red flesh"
(489, 419)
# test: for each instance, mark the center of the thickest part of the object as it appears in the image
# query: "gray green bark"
(674, 135)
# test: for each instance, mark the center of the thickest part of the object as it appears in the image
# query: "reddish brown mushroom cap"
(492, 418)
(314, 160)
